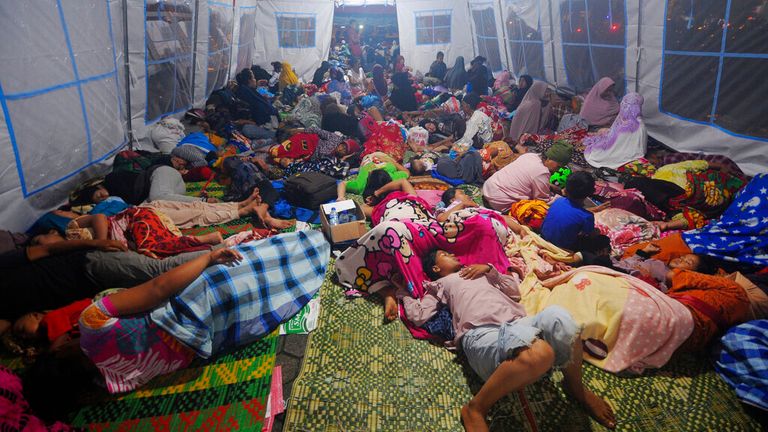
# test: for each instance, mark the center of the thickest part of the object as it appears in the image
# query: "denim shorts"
(487, 346)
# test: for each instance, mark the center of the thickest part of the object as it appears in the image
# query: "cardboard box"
(343, 232)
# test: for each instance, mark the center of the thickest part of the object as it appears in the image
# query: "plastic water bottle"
(333, 217)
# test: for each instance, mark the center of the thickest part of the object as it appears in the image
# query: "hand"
(110, 246)
(474, 271)
(225, 256)
(601, 207)
(212, 200)
(651, 249)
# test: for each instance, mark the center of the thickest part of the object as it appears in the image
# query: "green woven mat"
(361, 374)
(228, 393)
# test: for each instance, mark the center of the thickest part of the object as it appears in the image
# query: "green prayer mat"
(230, 392)
(361, 374)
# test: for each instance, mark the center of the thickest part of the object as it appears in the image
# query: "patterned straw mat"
(229, 393)
(362, 375)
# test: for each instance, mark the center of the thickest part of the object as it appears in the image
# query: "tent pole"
(473, 29)
(639, 49)
(127, 68)
(194, 50)
(552, 41)
(504, 35)
(232, 41)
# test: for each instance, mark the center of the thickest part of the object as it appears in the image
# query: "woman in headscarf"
(478, 76)
(287, 77)
(260, 108)
(456, 77)
(626, 140)
(523, 84)
(600, 106)
(340, 85)
(319, 77)
(403, 95)
(532, 114)
(378, 82)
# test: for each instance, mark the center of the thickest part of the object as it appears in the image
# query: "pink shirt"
(524, 179)
(487, 300)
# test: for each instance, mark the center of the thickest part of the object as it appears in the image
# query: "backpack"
(130, 185)
(309, 190)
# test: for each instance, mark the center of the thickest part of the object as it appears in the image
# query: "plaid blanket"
(743, 362)
(228, 307)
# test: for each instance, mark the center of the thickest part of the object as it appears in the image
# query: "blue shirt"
(564, 222)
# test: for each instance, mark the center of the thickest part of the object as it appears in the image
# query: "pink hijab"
(502, 80)
(531, 116)
(599, 109)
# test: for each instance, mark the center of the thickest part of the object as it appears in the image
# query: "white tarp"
(488, 33)
(429, 26)
(298, 32)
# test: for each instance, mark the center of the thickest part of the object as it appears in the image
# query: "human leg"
(532, 359)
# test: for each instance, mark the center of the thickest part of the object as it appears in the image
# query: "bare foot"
(213, 238)
(598, 409)
(278, 224)
(473, 420)
(390, 307)
(254, 197)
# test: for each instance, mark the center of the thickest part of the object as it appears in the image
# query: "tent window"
(296, 30)
(220, 22)
(168, 57)
(73, 89)
(245, 38)
(524, 33)
(433, 27)
(487, 38)
(594, 41)
(711, 52)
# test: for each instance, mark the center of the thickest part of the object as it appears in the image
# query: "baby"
(506, 348)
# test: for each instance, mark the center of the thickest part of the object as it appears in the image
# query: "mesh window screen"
(594, 41)
(487, 38)
(245, 39)
(220, 22)
(715, 63)
(433, 27)
(168, 54)
(295, 30)
(524, 33)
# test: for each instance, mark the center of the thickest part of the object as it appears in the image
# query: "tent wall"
(298, 32)
(62, 105)
(488, 35)
(429, 26)
(75, 86)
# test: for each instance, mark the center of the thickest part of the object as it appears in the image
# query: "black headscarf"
(318, 77)
(520, 92)
(403, 96)
(456, 77)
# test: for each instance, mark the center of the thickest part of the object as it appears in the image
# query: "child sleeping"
(506, 348)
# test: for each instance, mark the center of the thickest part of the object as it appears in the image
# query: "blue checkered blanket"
(231, 306)
(743, 362)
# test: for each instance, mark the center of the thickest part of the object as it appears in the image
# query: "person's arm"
(401, 168)
(98, 222)
(540, 189)
(419, 311)
(397, 185)
(153, 293)
(341, 191)
(37, 252)
(507, 284)
(648, 251)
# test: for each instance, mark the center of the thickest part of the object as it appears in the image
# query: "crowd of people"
(579, 211)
